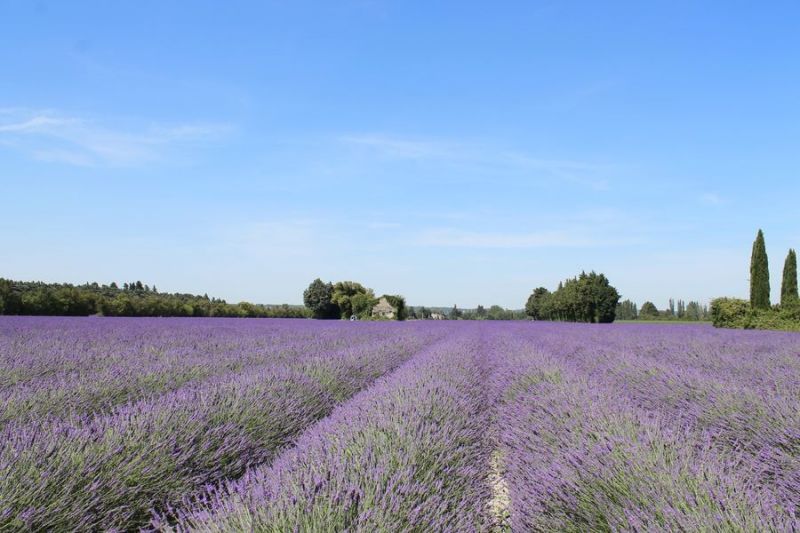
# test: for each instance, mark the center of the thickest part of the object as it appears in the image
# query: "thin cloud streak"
(448, 237)
(576, 172)
(51, 136)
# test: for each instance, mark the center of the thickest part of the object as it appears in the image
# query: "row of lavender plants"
(408, 454)
(72, 366)
(109, 470)
(622, 430)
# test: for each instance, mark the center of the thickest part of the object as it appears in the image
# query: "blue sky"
(453, 152)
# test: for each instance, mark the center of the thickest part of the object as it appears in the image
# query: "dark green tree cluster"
(586, 298)
(759, 277)
(133, 299)
(345, 299)
(757, 313)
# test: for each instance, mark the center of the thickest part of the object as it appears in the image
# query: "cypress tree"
(789, 285)
(759, 274)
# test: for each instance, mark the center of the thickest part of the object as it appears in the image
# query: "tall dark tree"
(318, 297)
(759, 274)
(534, 307)
(789, 285)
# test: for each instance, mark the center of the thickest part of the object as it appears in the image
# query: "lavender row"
(753, 417)
(576, 458)
(107, 472)
(163, 365)
(408, 454)
(34, 348)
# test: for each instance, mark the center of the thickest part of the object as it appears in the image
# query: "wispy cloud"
(52, 136)
(448, 237)
(592, 175)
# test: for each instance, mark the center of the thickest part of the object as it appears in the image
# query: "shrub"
(737, 313)
(730, 312)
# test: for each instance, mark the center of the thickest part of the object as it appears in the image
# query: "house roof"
(383, 305)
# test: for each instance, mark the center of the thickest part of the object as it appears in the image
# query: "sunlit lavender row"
(100, 469)
(421, 426)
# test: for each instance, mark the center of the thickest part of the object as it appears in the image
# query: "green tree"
(534, 307)
(789, 286)
(598, 299)
(627, 310)
(362, 304)
(343, 294)
(693, 311)
(648, 310)
(759, 274)
(318, 299)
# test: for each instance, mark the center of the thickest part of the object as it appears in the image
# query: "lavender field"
(280, 425)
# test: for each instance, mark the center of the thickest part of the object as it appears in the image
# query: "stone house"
(383, 309)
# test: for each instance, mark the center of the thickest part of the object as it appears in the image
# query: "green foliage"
(536, 302)
(586, 298)
(648, 311)
(626, 310)
(347, 298)
(318, 298)
(677, 311)
(729, 312)
(134, 299)
(362, 304)
(494, 312)
(789, 286)
(759, 274)
(737, 313)
(694, 311)
(757, 313)
(352, 298)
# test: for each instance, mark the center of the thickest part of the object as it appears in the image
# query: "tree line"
(680, 310)
(494, 312)
(758, 312)
(585, 298)
(132, 299)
